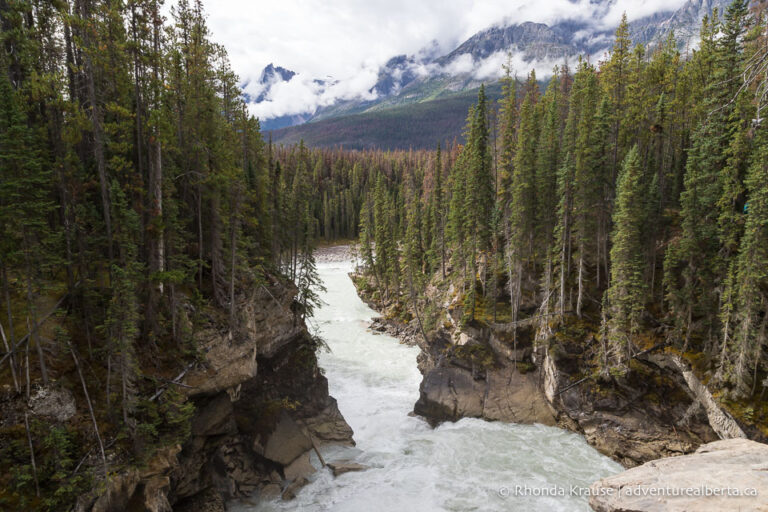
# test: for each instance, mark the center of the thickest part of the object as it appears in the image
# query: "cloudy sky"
(347, 40)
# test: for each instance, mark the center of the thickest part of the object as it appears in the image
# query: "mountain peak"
(271, 74)
(431, 73)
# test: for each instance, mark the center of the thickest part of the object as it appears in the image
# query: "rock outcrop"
(56, 404)
(451, 393)
(340, 467)
(721, 422)
(650, 413)
(261, 407)
(482, 373)
(724, 475)
(498, 372)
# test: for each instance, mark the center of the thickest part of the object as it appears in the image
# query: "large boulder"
(724, 475)
(264, 326)
(515, 397)
(646, 415)
(287, 443)
(329, 425)
(53, 404)
(450, 393)
(214, 418)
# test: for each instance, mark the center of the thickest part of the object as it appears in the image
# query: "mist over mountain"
(429, 75)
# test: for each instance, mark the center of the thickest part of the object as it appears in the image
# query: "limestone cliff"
(261, 407)
(498, 371)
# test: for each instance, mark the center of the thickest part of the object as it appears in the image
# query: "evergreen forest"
(139, 201)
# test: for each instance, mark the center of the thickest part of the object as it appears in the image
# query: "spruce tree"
(745, 305)
(27, 241)
(616, 70)
(438, 211)
(695, 264)
(626, 295)
(522, 205)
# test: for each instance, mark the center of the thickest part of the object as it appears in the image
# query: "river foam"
(470, 465)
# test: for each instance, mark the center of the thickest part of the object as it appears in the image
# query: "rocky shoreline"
(662, 410)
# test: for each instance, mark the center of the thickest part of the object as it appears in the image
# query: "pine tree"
(121, 323)
(615, 83)
(508, 130)
(586, 187)
(566, 190)
(626, 295)
(457, 214)
(745, 306)
(604, 186)
(413, 255)
(367, 227)
(27, 241)
(383, 234)
(438, 213)
(547, 163)
(522, 205)
(695, 264)
(479, 198)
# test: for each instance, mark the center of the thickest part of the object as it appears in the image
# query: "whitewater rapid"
(470, 465)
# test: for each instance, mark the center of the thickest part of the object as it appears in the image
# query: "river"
(470, 465)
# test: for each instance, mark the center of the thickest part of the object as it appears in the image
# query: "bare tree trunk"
(156, 238)
(233, 255)
(90, 409)
(604, 338)
(543, 330)
(124, 368)
(758, 351)
(415, 305)
(7, 300)
(156, 174)
(33, 327)
(26, 368)
(64, 196)
(109, 382)
(442, 246)
(137, 93)
(562, 282)
(200, 236)
(11, 359)
(598, 259)
(174, 313)
(606, 257)
(32, 455)
(564, 260)
(217, 266)
(580, 295)
(98, 141)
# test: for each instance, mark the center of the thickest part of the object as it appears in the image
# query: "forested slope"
(145, 223)
(139, 246)
(417, 125)
(625, 202)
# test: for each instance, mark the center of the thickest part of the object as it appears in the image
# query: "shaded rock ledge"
(261, 405)
(498, 373)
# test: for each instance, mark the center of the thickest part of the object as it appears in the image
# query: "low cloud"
(351, 40)
(492, 67)
(462, 64)
(303, 94)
